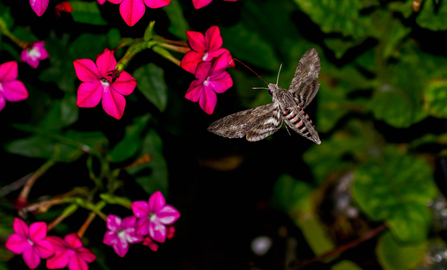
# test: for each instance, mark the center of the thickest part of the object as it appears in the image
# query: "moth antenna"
(277, 78)
(251, 70)
(264, 88)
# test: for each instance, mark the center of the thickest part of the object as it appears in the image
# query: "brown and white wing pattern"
(304, 86)
(256, 124)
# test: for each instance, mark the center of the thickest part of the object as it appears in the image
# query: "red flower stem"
(92, 216)
(14, 185)
(175, 48)
(166, 55)
(23, 196)
(183, 43)
(67, 212)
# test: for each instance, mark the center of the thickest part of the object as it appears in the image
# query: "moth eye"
(271, 92)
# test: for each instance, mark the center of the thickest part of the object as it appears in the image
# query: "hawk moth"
(288, 106)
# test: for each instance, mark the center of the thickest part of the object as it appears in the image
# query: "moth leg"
(287, 130)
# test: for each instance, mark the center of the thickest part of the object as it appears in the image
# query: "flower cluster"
(34, 244)
(133, 10)
(208, 61)
(149, 224)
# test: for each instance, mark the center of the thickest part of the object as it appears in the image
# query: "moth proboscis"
(288, 106)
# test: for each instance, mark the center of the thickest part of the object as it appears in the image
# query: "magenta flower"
(153, 216)
(133, 10)
(39, 6)
(30, 242)
(69, 252)
(97, 84)
(101, 2)
(147, 241)
(211, 78)
(10, 88)
(121, 234)
(204, 48)
(171, 232)
(33, 54)
(201, 3)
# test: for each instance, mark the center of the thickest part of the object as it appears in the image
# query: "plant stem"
(23, 196)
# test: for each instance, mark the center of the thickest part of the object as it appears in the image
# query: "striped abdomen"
(299, 120)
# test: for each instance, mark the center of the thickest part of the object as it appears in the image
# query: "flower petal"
(31, 258)
(8, 71)
(101, 2)
(105, 62)
(20, 227)
(37, 231)
(190, 61)
(171, 232)
(151, 244)
(157, 3)
(219, 65)
(89, 94)
(213, 40)
(86, 254)
(221, 83)
(110, 238)
(124, 84)
(194, 91)
(113, 223)
(58, 243)
(203, 70)
(115, 1)
(113, 103)
(59, 260)
(132, 11)
(32, 61)
(156, 202)
(200, 3)
(40, 47)
(217, 53)
(77, 263)
(142, 226)
(39, 6)
(133, 238)
(168, 215)
(157, 231)
(2, 102)
(121, 248)
(208, 100)
(196, 41)
(129, 222)
(140, 209)
(17, 244)
(73, 240)
(86, 70)
(44, 249)
(14, 90)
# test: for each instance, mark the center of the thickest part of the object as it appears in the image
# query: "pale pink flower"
(33, 54)
(121, 234)
(69, 252)
(30, 242)
(153, 216)
(211, 78)
(147, 241)
(204, 48)
(133, 10)
(10, 89)
(97, 84)
(39, 6)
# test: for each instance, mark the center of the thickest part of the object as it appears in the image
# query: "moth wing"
(306, 72)
(304, 97)
(257, 123)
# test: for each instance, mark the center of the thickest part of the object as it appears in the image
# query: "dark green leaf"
(289, 193)
(24, 34)
(69, 109)
(431, 19)
(340, 46)
(396, 32)
(403, 7)
(83, 47)
(87, 12)
(152, 84)
(435, 99)
(5, 15)
(113, 37)
(393, 106)
(179, 25)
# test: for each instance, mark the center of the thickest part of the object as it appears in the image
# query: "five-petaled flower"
(211, 78)
(30, 241)
(39, 6)
(204, 48)
(10, 88)
(153, 216)
(201, 3)
(34, 53)
(97, 83)
(69, 252)
(133, 10)
(121, 234)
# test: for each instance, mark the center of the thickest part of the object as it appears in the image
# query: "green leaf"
(393, 255)
(396, 33)
(61, 113)
(289, 193)
(435, 99)
(406, 8)
(113, 37)
(87, 12)
(393, 106)
(151, 83)
(24, 34)
(395, 187)
(340, 46)
(93, 140)
(179, 25)
(131, 143)
(5, 15)
(428, 18)
(83, 47)
(339, 16)
(346, 265)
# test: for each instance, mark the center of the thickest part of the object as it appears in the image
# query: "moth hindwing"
(288, 106)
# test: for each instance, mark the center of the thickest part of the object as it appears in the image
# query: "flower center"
(33, 53)
(152, 217)
(206, 82)
(104, 81)
(121, 233)
(205, 56)
(30, 242)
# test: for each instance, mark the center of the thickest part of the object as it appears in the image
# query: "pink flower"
(201, 3)
(121, 234)
(33, 54)
(101, 2)
(98, 84)
(133, 10)
(30, 242)
(147, 241)
(171, 232)
(204, 48)
(62, 7)
(39, 6)
(153, 216)
(69, 252)
(10, 88)
(211, 78)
